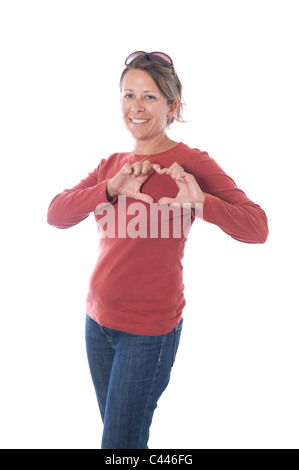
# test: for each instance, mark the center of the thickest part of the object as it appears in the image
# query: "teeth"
(139, 121)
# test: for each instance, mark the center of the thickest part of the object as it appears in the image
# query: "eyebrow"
(145, 91)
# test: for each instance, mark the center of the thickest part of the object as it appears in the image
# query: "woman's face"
(144, 109)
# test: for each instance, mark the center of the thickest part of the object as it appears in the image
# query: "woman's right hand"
(128, 181)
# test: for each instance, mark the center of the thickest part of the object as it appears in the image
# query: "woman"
(135, 299)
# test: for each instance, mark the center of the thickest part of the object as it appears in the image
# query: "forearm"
(227, 206)
(245, 222)
(72, 206)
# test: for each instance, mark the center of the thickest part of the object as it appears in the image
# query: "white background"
(235, 382)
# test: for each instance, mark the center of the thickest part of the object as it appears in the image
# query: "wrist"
(200, 200)
(110, 192)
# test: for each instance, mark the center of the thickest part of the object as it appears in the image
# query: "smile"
(138, 121)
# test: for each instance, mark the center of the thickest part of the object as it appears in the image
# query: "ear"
(172, 108)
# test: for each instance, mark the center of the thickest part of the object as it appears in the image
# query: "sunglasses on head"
(157, 57)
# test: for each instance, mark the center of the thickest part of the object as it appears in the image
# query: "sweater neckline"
(162, 153)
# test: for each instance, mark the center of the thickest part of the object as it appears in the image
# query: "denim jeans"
(129, 373)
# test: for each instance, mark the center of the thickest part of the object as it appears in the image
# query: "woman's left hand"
(189, 190)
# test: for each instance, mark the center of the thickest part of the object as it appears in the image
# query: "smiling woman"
(136, 293)
(146, 111)
(165, 79)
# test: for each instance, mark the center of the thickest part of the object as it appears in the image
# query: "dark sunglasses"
(157, 57)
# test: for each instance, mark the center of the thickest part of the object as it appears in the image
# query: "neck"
(146, 147)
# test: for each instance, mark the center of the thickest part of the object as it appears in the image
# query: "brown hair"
(166, 80)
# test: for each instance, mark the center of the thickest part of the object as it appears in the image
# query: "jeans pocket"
(177, 337)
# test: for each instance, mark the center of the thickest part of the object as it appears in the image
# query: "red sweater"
(137, 283)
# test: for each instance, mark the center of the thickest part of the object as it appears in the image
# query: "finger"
(144, 197)
(188, 178)
(146, 167)
(137, 167)
(174, 166)
(127, 169)
(173, 170)
(158, 169)
(176, 175)
(167, 200)
(177, 172)
(156, 166)
(184, 173)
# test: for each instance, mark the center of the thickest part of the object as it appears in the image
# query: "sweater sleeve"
(74, 205)
(227, 206)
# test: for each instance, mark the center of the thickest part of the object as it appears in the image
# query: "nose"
(137, 105)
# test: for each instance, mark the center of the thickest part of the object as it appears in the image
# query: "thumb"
(144, 197)
(166, 200)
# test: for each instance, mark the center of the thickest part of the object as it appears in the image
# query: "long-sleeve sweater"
(137, 283)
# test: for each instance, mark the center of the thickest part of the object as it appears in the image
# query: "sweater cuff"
(207, 207)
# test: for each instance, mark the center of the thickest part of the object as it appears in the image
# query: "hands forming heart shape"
(129, 180)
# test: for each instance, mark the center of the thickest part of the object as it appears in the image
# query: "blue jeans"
(129, 373)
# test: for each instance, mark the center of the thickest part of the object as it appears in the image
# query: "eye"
(128, 96)
(150, 97)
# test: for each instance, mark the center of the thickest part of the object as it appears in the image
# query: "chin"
(139, 134)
